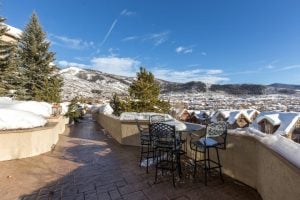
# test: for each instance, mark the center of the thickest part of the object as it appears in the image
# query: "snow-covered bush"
(17, 119)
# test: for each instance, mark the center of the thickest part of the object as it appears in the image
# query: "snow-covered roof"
(285, 120)
(17, 119)
(13, 31)
(225, 113)
(272, 118)
(234, 115)
(251, 112)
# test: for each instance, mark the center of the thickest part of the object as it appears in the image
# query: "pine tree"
(9, 75)
(36, 62)
(143, 96)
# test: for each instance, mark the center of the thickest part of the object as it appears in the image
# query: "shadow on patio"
(87, 164)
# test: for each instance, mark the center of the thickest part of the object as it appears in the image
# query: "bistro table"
(184, 127)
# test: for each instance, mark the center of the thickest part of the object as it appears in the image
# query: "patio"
(88, 164)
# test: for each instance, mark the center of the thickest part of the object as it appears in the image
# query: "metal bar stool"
(166, 146)
(147, 150)
(215, 138)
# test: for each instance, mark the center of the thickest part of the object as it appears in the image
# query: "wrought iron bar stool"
(147, 151)
(215, 138)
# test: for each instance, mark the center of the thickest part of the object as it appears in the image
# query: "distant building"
(282, 123)
(238, 119)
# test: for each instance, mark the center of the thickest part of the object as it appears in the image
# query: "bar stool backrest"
(163, 135)
(217, 130)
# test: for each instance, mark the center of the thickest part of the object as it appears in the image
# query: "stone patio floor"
(88, 164)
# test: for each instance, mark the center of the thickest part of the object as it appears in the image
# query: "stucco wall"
(16, 144)
(246, 159)
(125, 132)
(112, 125)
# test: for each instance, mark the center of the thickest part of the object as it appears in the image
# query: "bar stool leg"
(205, 167)
(219, 164)
(195, 163)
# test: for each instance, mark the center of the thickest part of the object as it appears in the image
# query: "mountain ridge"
(96, 84)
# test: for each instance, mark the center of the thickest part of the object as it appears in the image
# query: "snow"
(251, 112)
(106, 109)
(39, 108)
(278, 143)
(64, 107)
(286, 120)
(16, 119)
(71, 70)
(234, 115)
(141, 116)
(15, 32)
(272, 118)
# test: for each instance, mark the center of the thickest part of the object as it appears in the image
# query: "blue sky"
(224, 41)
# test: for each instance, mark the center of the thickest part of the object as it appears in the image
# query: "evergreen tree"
(9, 75)
(36, 61)
(143, 96)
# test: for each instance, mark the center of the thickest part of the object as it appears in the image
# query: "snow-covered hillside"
(91, 83)
(99, 85)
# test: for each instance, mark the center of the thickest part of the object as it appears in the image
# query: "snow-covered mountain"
(98, 85)
(91, 83)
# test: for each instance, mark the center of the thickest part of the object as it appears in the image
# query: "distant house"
(282, 123)
(221, 115)
(12, 35)
(252, 114)
(185, 116)
(203, 117)
(238, 119)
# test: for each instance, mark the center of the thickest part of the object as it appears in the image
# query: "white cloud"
(203, 53)
(126, 12)
(189, 75)
(64, 63)
(116, 65)
(269, 66)
(129, 38)
(184, 50)
(214, 71)
(72, 43)
(288, 67)
(155, 38)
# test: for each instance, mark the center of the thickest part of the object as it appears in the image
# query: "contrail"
(109, 32)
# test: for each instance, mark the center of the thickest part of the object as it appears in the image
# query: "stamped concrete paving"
(87, 164)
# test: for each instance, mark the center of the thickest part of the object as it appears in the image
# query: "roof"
(285, 120)
(234, 115)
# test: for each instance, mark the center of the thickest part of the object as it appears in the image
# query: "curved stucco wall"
(25, 143)
(253, 163)
(246, 159)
